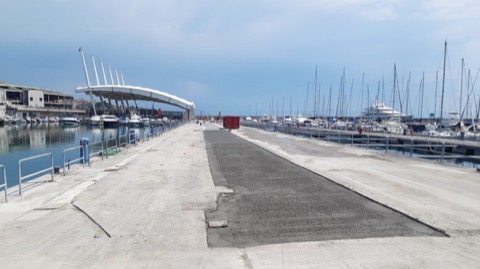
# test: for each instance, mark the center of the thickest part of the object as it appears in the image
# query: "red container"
(231, 122)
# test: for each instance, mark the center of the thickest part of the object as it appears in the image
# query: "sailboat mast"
(408, 93)
(443, 80)
(291, 112)
(383, 90)
(461, 90)
(422, 92)
(306, 100)
(394, 84)
(361, 99)
(315, 95)
(330, 101)
(318, 102)
(436, 93)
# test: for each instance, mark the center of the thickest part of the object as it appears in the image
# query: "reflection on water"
(22, 141)
(27, 137)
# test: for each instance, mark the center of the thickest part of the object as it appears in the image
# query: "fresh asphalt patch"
(275, 201)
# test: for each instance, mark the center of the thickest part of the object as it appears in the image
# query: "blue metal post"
(132, 136)
(84, 151)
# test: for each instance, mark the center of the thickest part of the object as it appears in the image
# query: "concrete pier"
(145, 208)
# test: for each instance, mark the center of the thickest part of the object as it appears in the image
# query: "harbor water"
(18, 142)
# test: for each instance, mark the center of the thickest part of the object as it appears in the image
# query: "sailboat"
(449, 125)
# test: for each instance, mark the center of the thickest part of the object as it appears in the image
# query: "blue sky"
(239, 57)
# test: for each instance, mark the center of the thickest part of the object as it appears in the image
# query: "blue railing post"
(4, 185)
(84, 142)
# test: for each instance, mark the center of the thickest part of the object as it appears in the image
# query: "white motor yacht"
(135, 121)
(94, 121)
(69, 121)
(109, 121)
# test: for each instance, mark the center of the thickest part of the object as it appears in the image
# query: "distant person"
(360, 130)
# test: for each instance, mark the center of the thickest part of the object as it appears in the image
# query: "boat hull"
(111, 124)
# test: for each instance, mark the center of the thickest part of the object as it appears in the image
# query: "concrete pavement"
(276, 201)
(144, 208)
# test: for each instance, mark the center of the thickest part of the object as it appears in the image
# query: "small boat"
(7, 119)
(69, 121)
(123, 120)
(53, 119)
(19, 121)
(94, 121)
(135, 121)
(109, 121)
(145, 122)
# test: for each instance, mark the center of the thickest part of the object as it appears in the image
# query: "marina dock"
(201, 197)
(430, 147)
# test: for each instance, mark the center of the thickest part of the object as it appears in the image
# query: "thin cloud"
(220, 48)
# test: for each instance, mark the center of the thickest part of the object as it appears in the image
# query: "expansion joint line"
(93, 220)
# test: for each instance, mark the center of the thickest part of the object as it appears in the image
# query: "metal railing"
(110, 145)
(95, 149)
(411, 148)
(20, 162)
(98, 148)
(4, 185)
(156, 131)
(123, 140)
(434, 145)
(80, 159)
(148, 133)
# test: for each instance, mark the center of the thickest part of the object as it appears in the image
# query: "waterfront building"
(27, 101)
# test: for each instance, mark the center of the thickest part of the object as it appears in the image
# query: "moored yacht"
(109, 121)
(94, 121)
(135, 121)
(69, 121)
(380, 112)
(451, 121)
